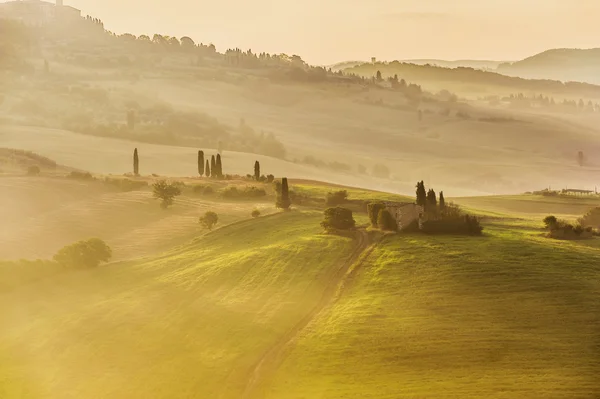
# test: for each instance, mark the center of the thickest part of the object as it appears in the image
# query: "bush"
(386, 221)
(591, 218)
(255, 213)
(336, 198)
(80, 175)
(550, 222)
(84, 254)
(270, 178)
(209, 219)
(464, 225)
(338, 219)
(33, 170)
(373, 210)
(203, 189)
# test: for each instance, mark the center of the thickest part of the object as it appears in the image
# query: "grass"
(529, 205)
(189, 323)
(508, 315)
(314, 189)
(41, 215)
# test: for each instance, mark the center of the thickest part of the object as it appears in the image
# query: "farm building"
(404, 213)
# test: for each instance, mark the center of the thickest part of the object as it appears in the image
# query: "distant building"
(39, 13)
(405, 213)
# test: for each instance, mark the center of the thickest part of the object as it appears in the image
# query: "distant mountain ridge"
(566, 64)
(562, 64)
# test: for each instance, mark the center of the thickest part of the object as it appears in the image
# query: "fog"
(466, 29)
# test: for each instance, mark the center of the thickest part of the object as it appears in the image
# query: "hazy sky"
(326, 31)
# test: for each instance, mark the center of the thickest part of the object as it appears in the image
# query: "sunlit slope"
(41, 215)
(529, 206)
(508, 315)
(188, 324)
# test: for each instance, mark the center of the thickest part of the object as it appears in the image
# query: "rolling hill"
(578, 65)
(272, 307)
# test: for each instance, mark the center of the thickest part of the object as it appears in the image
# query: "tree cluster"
(84, 254)
(338, 219)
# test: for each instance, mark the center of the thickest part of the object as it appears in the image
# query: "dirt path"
(270, 360)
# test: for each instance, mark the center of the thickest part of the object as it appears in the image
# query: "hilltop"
(581, 65)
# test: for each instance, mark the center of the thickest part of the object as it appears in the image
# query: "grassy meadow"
(507, 315)
(511, 314)
(188, 323)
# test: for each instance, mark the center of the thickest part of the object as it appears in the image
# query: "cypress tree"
(136, 163)
(256, 171)
(283, 200)
(421, 194)
(431, 199)
(200, 163)
(442, 200)
(207, 169)
(219, 166)
(213, 166)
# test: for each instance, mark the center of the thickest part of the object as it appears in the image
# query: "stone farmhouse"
(405, 213)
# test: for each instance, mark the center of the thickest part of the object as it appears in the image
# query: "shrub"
(336, 198)
(550, 222)
(203, 189)
(84, 254)
(464, 225)
(270, 178)
(81, 175)
(386, 221)
(166, 192)
(591, 218)
(209, 219)
(373, 210)
(33, 170)
(255, 213)
(338, 219)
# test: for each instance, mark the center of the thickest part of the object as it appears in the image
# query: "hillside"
(188, 323)
(475, 64)
(272, 307)
(102, 95)
(432, 76)
(581, 65)
(508, 316)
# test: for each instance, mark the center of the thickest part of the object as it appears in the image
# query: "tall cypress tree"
(207, 169)
(213, 166)
(200, 163)
(431, 199)
(219, 166)
(256, 171)
(283, 200)
(442, 200)
(136, 163)
(421, 194)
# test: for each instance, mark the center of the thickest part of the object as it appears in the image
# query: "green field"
(188, 323)
(273, 308)
(508, 315)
